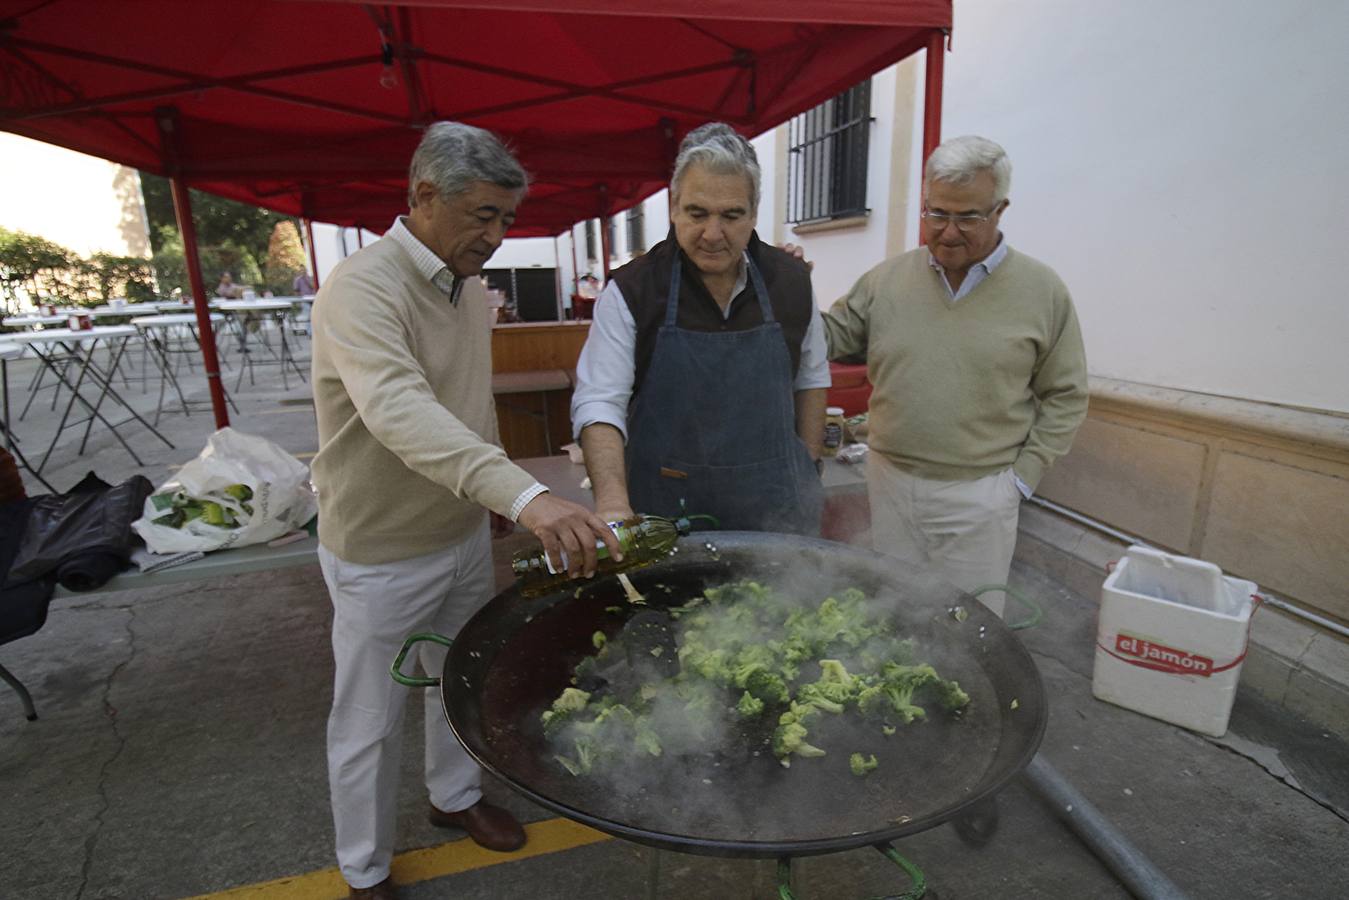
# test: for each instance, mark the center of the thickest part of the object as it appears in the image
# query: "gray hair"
(960, 159)
(453, 155)
(718, 147)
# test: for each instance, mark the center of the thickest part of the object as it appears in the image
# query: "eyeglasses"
(964, 223)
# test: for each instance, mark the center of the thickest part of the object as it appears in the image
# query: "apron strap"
(672, 301)
(756, 279)
(761, 290)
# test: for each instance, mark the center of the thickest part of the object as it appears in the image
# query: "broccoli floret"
(599, 639)
(889, 699)
(861, 765)
(646, 738)
(813, 695)
(766, 686)
(749, 705)
(564, 709)
(951, 695)
(571, 699)
(799, 713)
(790, 739)
(750, 659)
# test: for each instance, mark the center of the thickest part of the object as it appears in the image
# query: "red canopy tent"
(313, 107)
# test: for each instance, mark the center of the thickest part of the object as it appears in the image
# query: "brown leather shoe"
(489, 826)
(385, 890)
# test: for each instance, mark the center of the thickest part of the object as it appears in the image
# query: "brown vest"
(645, 283)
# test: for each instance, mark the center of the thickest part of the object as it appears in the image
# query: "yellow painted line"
(549, 836)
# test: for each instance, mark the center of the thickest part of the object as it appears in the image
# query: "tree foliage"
(231, 237)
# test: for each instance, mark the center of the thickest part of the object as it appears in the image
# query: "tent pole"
(167, 120)
(313, 253)
(575, 266)
(932, 84)
(182, 208)
(557, 279)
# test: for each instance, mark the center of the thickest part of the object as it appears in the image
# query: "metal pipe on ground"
(1134, 870)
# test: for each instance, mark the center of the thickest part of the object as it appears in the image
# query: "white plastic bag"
(281, 500)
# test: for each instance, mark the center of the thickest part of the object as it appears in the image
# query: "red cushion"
(851, 389)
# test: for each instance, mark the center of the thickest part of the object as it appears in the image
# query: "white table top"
(56, 335)
(9, 350)
(34, 320)
(268, 305)
(173, 319)
(131, 309)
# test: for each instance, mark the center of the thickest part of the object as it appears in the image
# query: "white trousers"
(962, 532)
(375, 608)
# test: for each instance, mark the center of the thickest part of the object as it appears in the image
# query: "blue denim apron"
(713, 431)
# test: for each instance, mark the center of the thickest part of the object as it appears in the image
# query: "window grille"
(827, 159)
(636, 234)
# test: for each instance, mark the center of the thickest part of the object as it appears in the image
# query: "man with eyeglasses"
(979, 371)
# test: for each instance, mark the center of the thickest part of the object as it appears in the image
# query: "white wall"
(1183, 167)
(83, 203)
(840, 257)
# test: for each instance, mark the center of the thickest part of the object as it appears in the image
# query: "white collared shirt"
(426, 260)
(606, 371)
(977, 273)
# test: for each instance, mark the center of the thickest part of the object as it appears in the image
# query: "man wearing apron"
(701, 387)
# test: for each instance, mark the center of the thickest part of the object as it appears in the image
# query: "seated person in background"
(227, 288)
(701, 387)
(589, 287)
(303, 285)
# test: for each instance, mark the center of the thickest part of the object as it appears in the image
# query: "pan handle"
(412, 680)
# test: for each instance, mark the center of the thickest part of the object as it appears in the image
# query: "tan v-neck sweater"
(965, 388)
(408, 446)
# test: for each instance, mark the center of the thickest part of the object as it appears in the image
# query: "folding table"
(10, 350)
(62, 350)
(158, 334)
(277, 311)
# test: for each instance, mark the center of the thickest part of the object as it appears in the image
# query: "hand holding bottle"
(568, 528)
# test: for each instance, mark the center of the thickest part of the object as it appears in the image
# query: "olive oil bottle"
(643, 539)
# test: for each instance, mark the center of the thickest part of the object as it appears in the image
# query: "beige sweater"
(408, 447)
(966, 388)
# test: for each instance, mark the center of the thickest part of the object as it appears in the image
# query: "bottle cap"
(834, 411)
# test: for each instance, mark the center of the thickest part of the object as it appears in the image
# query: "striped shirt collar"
(431, 266)
(977, 272)
(988, 263)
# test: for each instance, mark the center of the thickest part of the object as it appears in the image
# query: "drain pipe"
(1144, 880)
(1299, 612)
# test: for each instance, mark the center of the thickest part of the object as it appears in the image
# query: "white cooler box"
(1171, 639)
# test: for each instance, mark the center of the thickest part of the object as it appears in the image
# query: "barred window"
(592, 253)
(827, 159)
(636, 232)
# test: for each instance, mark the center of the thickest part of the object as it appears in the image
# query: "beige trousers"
(962, 532)
(375, 608)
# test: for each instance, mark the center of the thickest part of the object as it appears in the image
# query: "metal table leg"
(12, 440)
(29, 711)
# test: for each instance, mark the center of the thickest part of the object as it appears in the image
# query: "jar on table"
(833, 430)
